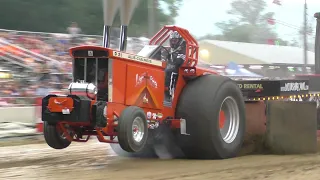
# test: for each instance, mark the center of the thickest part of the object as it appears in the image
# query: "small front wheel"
(132, 129)
(54, 138)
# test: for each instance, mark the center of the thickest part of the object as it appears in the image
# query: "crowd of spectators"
(53, 73)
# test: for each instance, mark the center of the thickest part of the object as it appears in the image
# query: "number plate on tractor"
(65, 111)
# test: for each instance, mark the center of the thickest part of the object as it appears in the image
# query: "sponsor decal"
(153, 82)
(137, 58)
(154, 116)
(294, 87)
(65, 111)
(160, 115)
(150, 80)
(145, 99)
(153, 124)
(181, 56)
(250, 86)
(140, 78)
(59, 103)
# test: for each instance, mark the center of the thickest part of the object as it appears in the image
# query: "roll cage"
(192, 47)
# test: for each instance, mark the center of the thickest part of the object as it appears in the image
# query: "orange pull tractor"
(123, 99)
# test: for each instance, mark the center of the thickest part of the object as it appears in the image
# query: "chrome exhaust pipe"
(110, 8)
(106, 36)
(123, 38)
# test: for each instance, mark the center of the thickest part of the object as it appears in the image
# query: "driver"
(175, 60)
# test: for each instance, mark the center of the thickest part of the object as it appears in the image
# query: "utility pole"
(305, 36)
(151, 17)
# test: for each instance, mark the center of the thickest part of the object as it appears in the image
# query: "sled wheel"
(132, 129)
(54, 137)
(214, 110)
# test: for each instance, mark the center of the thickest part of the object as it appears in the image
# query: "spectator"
(44, 90)
(74, 31)
(53, 46)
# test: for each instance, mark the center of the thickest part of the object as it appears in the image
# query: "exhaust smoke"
(126, 11)
(110, 8)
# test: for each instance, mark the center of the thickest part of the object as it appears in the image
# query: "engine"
(83, 88)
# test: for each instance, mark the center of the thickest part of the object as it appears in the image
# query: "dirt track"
(96, 161)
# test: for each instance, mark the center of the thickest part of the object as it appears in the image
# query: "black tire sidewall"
(199, 103)
(227, 150)
(133, 143)
(125, 136)
(53, 138)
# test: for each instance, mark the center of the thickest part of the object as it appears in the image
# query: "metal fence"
(17, 101)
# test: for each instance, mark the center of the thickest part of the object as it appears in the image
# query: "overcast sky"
(199, 16)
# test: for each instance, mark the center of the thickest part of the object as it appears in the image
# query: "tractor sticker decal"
(145, 99)
(145, 95)
(154, 116)
(149, 115)
(90, 53)
(152, 124)
(153, 83)
(159, 115)
(150, 80)
(59, 103)
(139, 79)
(137, 58)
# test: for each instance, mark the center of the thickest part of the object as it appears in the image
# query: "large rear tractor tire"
(214, 110)
(132, 129)
(53, 137)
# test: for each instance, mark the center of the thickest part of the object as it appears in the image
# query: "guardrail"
(24, 114)
(20, 109)
(17, 101)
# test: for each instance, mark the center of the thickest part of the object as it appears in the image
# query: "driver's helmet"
(176, 41)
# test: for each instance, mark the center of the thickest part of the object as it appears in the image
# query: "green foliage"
(173, 6)
(249, 23)
(56, 15)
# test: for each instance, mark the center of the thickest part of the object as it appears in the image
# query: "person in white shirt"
(74, 31)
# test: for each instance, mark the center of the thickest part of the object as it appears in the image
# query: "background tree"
(56, 15)
(249, 23)
(173, 7)
(294, 43)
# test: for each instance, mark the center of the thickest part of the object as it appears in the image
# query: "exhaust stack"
(123, 38)
(126, 11)
(317, 45)
(110, 8)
